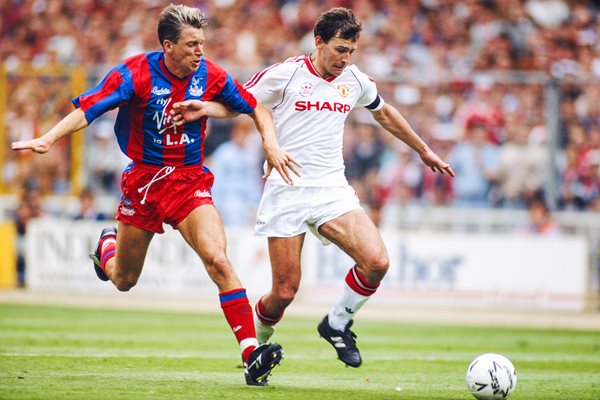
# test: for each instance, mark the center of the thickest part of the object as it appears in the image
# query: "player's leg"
(120, 254)
(282, 217)
(358, 237)
(284, 253)
(203, 231)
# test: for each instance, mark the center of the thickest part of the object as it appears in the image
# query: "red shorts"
(154, 195)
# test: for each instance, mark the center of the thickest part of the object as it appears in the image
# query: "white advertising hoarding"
(57, 258)
(472, 270)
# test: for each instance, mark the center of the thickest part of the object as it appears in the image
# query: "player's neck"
(316, 62)
(176, 69)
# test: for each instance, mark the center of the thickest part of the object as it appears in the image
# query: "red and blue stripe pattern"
(145, 90)
(233, 297)
(107, 256)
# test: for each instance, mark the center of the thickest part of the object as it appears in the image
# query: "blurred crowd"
(470, 76)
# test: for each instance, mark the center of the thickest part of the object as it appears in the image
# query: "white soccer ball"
(491, 376)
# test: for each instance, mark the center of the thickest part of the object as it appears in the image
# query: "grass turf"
(75, 353)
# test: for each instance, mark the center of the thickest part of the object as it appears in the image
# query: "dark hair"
(537, 198)
(172, 19)
(338, 22)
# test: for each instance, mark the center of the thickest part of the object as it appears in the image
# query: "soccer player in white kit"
(310, 97)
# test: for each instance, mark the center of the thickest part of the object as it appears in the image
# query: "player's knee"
(218, 267)
(285, 295)
(124, 284)
(378, 266)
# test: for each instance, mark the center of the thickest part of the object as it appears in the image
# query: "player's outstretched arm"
(192, 110)
(71, 123)
(391, 119)
(276, 157)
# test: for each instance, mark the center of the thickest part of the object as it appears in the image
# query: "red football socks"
(107, 250)
(359, 284)
(264, 316)
(238, 314)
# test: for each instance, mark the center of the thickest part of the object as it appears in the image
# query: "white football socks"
(263, 332)
(345, 309)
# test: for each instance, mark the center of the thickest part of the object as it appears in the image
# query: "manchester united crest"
(343, 90)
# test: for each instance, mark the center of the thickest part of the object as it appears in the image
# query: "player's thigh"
(357, 236)
(203, 230)
(132, 246)
(284, 254)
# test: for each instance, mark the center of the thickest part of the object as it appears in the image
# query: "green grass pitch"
(75, 353)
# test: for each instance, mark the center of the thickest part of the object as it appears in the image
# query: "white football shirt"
(309, 113)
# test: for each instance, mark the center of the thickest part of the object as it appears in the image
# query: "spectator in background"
(237, 163)
(578, 175)
(364, 155)
(540, 218)
(217, 133)
(104, 161)
(29, 207)
(586, 188)
(475, 162)
(400, 177)
(482, 106)
(521, 166)
(436, 189)
(366, 150)
(87, 210)
(568, 178)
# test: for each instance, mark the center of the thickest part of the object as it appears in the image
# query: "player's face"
(335, 55)
(183, 57)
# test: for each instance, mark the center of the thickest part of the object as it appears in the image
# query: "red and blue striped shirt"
(145, 90)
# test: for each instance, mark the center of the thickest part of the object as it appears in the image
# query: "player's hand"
(283, 162)
(436, 164)
(187, 111)
(38, 145)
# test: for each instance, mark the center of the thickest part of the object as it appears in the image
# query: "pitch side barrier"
(449, 269)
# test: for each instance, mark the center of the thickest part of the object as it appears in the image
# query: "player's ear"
(167, 46)
(319, 42)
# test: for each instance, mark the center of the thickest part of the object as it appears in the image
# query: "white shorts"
(287, 211)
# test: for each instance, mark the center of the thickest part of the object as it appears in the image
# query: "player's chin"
(338, 69)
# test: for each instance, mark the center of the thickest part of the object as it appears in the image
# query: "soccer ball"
(491, 376)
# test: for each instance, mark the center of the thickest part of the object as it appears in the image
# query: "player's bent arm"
(265, 125)
(391, 119)
(214, 109)
(73, 122)
(276, 157)
(192, 110)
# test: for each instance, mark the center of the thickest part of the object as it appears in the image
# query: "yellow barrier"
(3, 111)
(8, 255)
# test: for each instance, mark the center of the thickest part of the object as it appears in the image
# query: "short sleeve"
(369, 98)
(268, 85)
(238, 98)
(114, 90)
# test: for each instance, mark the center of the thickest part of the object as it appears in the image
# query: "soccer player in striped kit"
(310, 97)
(166, 181)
